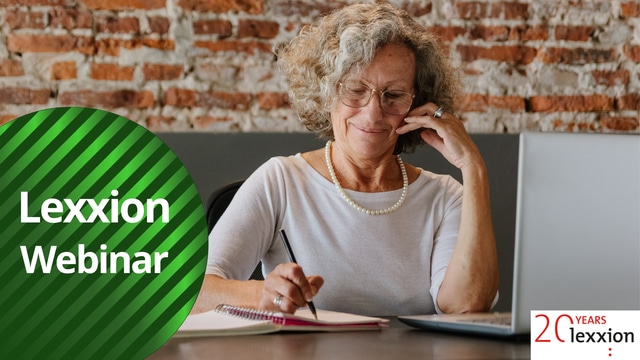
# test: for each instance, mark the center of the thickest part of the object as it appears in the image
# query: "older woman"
(372, 234)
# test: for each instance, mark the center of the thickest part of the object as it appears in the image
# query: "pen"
(292, 258)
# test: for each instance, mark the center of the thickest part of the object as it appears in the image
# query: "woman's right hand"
(288, 283)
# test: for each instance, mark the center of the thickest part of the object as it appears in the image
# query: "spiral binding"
(251, 314)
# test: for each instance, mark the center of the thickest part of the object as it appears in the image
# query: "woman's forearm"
(216, 290)
(471, 280)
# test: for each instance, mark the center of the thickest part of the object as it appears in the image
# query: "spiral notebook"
(231, 320)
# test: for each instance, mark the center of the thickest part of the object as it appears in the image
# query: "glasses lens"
(396, 102)
(355, 94)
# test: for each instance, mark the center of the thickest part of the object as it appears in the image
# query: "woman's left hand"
(446, 134)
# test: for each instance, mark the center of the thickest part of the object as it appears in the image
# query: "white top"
(383, 265)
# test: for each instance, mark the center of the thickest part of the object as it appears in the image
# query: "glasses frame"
(380, 102)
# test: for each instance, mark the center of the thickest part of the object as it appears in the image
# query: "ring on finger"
(277, 301)
(438, 113)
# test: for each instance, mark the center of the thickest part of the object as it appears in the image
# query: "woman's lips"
(370, 131)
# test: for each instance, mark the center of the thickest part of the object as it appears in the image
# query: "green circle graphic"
(103, 237)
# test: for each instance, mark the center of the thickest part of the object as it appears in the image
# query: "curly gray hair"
(347, 40)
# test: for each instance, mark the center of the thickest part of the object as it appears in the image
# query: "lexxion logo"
(103, 237)
(130, 210)
(585, 334)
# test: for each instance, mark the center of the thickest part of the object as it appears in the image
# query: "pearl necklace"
(405, 186)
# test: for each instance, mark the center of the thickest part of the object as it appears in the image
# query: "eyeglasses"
(393, 102)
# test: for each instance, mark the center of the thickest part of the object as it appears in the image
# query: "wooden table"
(399, 341)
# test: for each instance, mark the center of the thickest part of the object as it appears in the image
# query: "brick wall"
(206, 65)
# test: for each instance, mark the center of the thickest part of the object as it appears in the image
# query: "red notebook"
(231, 320)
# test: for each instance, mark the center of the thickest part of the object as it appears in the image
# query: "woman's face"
(369, 131)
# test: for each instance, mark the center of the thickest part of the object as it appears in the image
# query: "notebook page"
(335, 318)
(217, 323)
